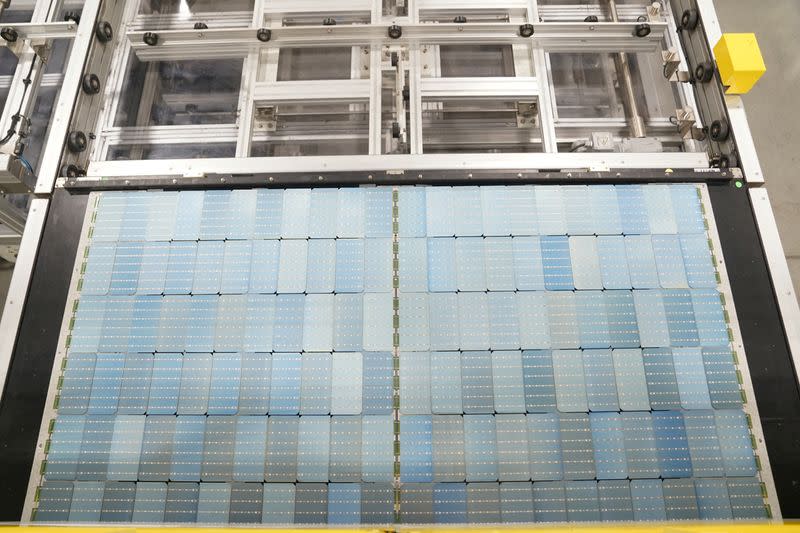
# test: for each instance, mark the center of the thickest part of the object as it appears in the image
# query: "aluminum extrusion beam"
(479, 88)
(43, 30)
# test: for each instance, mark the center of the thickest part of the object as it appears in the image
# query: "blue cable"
(25, 162)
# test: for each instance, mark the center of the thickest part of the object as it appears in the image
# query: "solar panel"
(415, 354)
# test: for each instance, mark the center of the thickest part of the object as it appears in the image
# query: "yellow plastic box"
(739, 61)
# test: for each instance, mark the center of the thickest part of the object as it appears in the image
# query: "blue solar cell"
(504, 325)
(662, 384)
(285, 384)
(499, 264)
(477, 383)
(747, 499)
(378, 212)
(440, 208)
(414, 327)
(533, 320)
(344, 503)
(723, 381)
(279, 503)
(195, 383)
(55, 500)
(135, 388)
(324, 206)
(214, 502)
(415, 383)
(641, 262)
(318, 323)
(208, 267)
(416, 453)
(528, 269)
(550, 210)
(217, 215)
(311, 503)
(647, 497)
(592, 319)
(282, 439)
(254, 388)
(377, 393)
(188, 213)
(640, 445)
(417, 503)
(577, 207)
(87, 499)
(378, 321)
(680, 500)
(544, 444)
(577, 450)
(623, 328)
(473, 320)
(687, 208)
(442, 265)
(613, 262)
(512, 439)
(155, 462)
(243, 221)
(704, 447)
(701, 271)
(681, 318)
(601, 386)
(110, 213)
(292, 266)
(609, 445)
(468, 211)
(346, 384)
(226, 373)
(413, 271)
(315, 384)
(709, 313)
(480, 448)
(470, 264)
(557, 265)
(563, 320)
(549, 502)
(134, 223)
(269, 214)
(181, 502)
(99, 267)
(377, 448)
(153, 271)
(605, 210)
(296, 214)
(516, 503)
(568, 373)
(313, 448)
(713, 502)
(539, 383)
(450, 503)
(669, 261)
(522, 210)
(631, 380)
(219, 448)
(264, 267)
(259, 323)
(691, 377)
(187, 448)
(65, 447)
(378, 265)
(76, 384)
(733, 432)
(201, 328)
(494, 208)
(633, 209)
(348, 322)
(448, 448)
(346, 438)
(96, 447)
(127, 264)
(161, 217)
(445, 382)
(288, 325)
(181, 268)
(444, 326)
(236, 267)
(150, 503)
(321, 274)
(672, 444)
(582, 501)
(483, 503)
(652, 319)
(350, 265)
(144, 326)
(412, 216)
(231, 323)
(165, 384)
(508, 383)
(615, 501)
(660, 214)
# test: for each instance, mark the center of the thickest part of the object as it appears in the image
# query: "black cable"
(18, 115)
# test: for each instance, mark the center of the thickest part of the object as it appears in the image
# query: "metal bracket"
(527, 115)
(267, 119)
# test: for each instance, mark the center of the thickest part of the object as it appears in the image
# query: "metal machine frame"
(394, 155)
